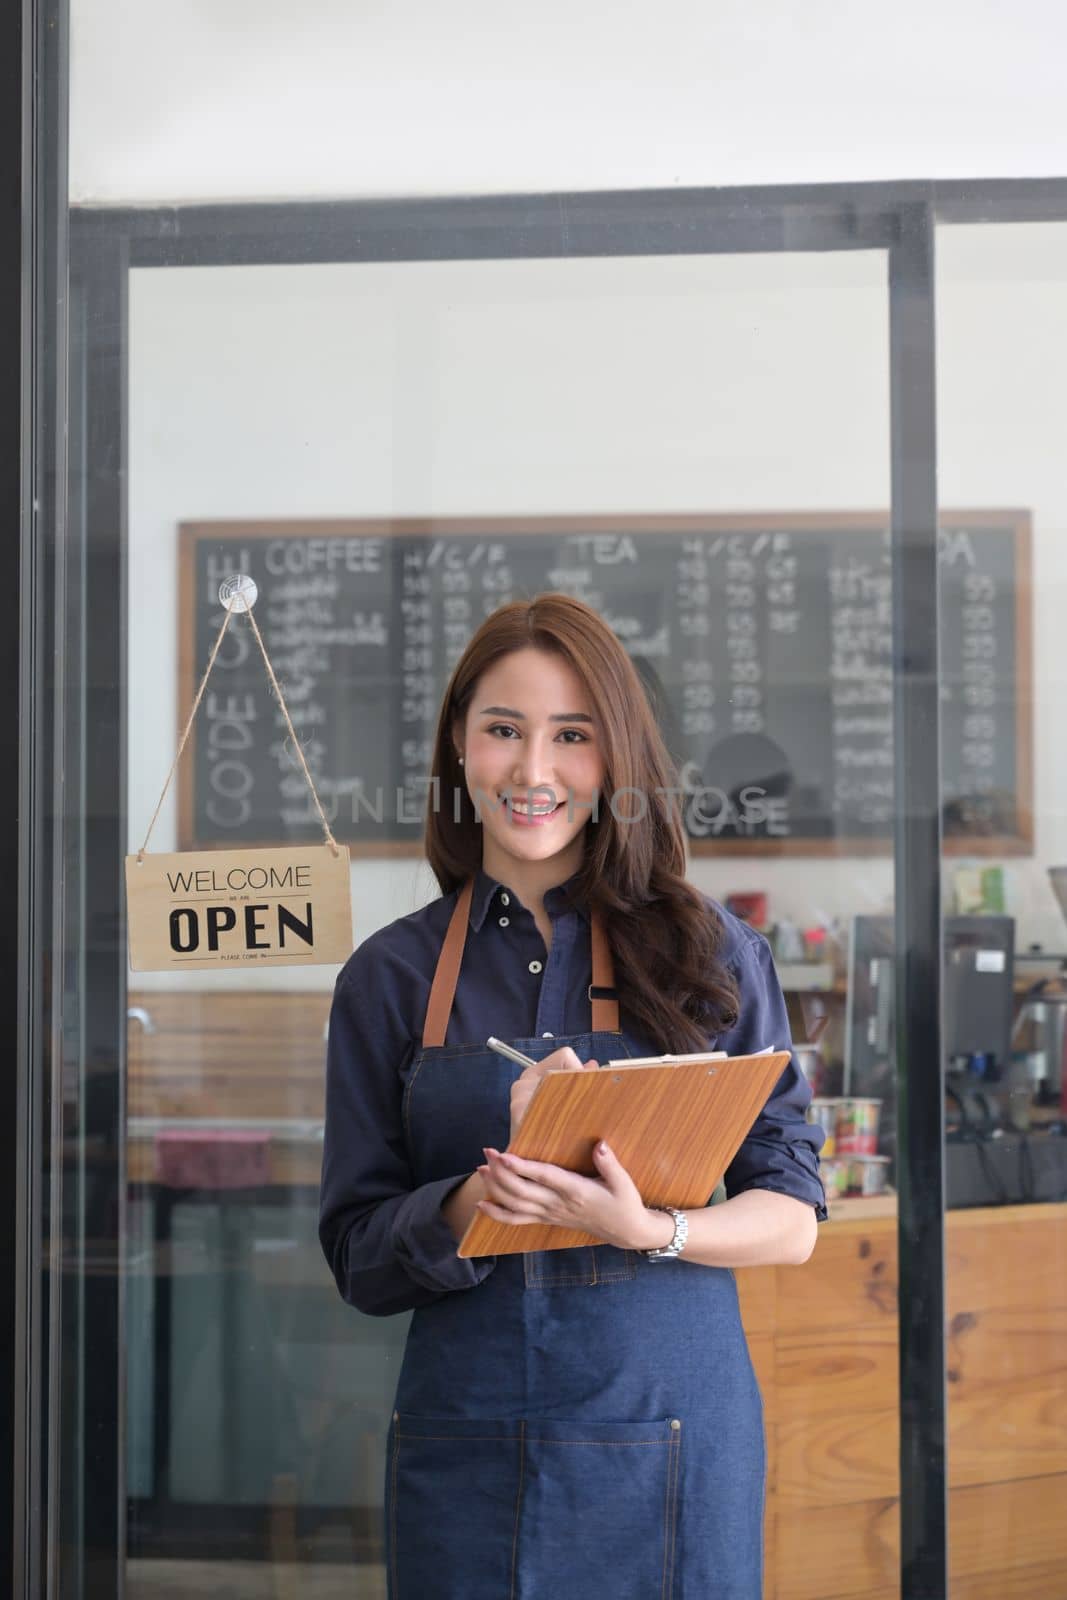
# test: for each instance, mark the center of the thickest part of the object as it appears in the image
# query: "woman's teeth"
(521, 809)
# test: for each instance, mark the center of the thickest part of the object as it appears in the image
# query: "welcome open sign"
(239, 908)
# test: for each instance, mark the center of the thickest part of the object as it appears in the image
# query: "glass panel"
(1001, 345)
(697, 446)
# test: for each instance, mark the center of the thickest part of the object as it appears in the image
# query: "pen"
(505, 1050)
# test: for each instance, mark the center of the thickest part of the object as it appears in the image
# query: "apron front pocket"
(599, 1506)
(580, 1266)
(451, 1502)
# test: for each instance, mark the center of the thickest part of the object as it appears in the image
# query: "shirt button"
(503, 921)
(505, 898)
(535, 966)
(548, 1036)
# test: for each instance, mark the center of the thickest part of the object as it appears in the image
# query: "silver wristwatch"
(677, 1244)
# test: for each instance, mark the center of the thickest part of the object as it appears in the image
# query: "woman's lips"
(522, 819)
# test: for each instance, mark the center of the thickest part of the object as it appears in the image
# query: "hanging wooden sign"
(239, 908)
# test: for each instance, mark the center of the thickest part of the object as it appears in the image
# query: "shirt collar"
(485, 888)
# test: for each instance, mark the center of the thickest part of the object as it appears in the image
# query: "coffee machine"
(1039, 1037)
(979, 965)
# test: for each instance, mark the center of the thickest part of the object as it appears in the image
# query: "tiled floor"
(252, 1580)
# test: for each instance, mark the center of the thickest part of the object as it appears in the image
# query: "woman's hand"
(562, 1060)
(609, 1206)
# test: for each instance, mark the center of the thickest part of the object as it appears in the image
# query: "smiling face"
(530, 737)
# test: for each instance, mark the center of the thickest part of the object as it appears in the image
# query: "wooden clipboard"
(675, 1128)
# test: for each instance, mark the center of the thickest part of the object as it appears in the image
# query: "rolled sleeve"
(426, 1245)
(388, 1245)
(781, 1152)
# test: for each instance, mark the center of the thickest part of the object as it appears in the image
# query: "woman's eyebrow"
(520, 716)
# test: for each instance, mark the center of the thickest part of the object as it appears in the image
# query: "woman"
(572, 1424)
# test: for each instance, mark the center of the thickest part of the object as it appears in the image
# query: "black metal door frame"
(33, 266)
(16, 361)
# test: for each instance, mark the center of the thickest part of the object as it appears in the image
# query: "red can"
(857, 1127)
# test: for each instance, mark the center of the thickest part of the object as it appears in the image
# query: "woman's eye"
(504, 727)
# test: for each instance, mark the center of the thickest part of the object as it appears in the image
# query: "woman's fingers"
(542, 1172)
(507, 1184)
(522, 1179)
(565, 1060)
(562, 1060)
(515, 1205)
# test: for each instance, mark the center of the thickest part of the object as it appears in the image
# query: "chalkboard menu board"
(764, 643)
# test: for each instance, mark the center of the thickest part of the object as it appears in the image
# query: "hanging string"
(330, 840)
(184, 737)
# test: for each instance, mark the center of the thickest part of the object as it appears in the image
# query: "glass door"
(699, 445)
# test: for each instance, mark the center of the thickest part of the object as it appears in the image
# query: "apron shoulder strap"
(605, 1001)
(443, 988)
(602, 994)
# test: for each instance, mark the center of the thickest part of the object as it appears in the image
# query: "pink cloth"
(212, 1158)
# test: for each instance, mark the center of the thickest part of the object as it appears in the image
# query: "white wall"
(659, 384)
(175, 100)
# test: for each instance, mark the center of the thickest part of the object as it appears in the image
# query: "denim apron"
(583, 1424)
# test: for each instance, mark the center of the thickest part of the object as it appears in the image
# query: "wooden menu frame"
(1019, 843)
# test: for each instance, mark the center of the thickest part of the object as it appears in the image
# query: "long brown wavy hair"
(665, 938)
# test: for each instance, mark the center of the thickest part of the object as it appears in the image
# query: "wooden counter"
(824, 1342)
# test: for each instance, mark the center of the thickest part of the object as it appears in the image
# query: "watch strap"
(681, 1233)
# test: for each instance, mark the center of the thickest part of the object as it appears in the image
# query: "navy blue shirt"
(387, 1242)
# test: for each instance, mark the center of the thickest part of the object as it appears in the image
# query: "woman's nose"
(527, 776)
(534, 766)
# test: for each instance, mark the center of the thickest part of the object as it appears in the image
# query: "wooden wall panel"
(996, 1346)
(849, 1282)
(1015, 1261)
(1047, 1581)
(852, 1371)
(837, 1458)
(1005, 1527)
(833, 1511)
(831, 1551)
(1006, 1431)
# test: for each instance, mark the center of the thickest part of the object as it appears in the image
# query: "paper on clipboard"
(673, 1061)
